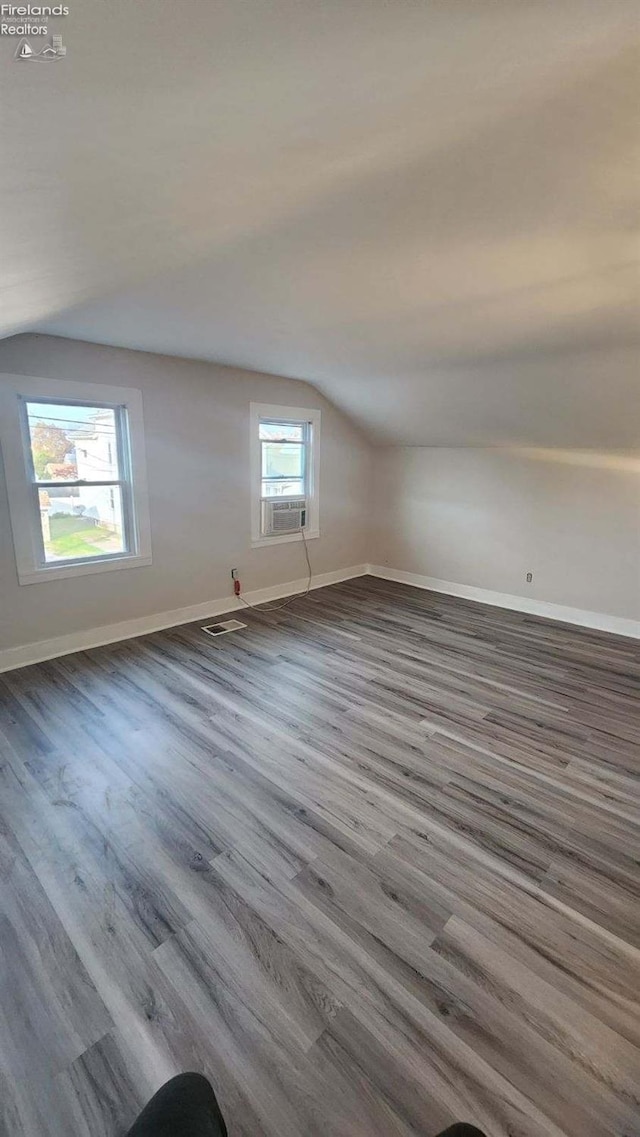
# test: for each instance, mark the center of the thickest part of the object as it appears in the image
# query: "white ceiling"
(427, 208)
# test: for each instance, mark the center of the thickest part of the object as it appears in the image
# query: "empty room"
(320, 568)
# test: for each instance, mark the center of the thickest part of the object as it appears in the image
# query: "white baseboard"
(14, 657)
(600, 621)
(11, 658)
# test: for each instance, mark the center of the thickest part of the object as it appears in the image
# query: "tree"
(65, 471)
(48, 444)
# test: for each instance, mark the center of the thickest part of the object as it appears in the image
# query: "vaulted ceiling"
(427, 208)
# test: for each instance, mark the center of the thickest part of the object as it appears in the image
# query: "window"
(285, 457)
(74, 461)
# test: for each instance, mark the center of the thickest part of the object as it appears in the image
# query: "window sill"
(283, 539)
(84, 568)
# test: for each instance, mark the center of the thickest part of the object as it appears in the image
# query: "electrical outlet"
(529, 577)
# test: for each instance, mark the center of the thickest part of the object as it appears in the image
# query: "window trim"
(274, 412)
(15, 390)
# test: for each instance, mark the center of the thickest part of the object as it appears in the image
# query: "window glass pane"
(293, 488)
(292, 431)
(282, 460)
(71, 441)
(81, 522)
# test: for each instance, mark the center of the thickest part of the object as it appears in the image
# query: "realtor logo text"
(21, 27)
(34, 10)
(39, 12)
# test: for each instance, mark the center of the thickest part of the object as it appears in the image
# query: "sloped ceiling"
(427, 209)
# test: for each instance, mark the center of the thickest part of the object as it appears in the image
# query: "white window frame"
(15, 391)
(268, 412)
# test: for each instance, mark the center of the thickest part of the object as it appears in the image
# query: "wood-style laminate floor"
(371, 864)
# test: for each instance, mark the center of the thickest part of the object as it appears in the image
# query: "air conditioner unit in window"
(280, 517)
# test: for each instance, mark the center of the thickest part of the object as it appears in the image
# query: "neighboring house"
(96, 459)
(93, 458)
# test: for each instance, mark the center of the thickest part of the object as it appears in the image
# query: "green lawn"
(77, 537)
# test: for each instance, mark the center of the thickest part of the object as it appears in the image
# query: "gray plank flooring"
(371, 864)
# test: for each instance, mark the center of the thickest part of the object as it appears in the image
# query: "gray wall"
(197, 438)
(480, 517)
(485, 517)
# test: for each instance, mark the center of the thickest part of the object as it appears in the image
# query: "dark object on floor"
(184, 1107)
(187, 1107)
(461, 1129)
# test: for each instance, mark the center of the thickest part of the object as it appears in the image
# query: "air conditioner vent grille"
(280, 517)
